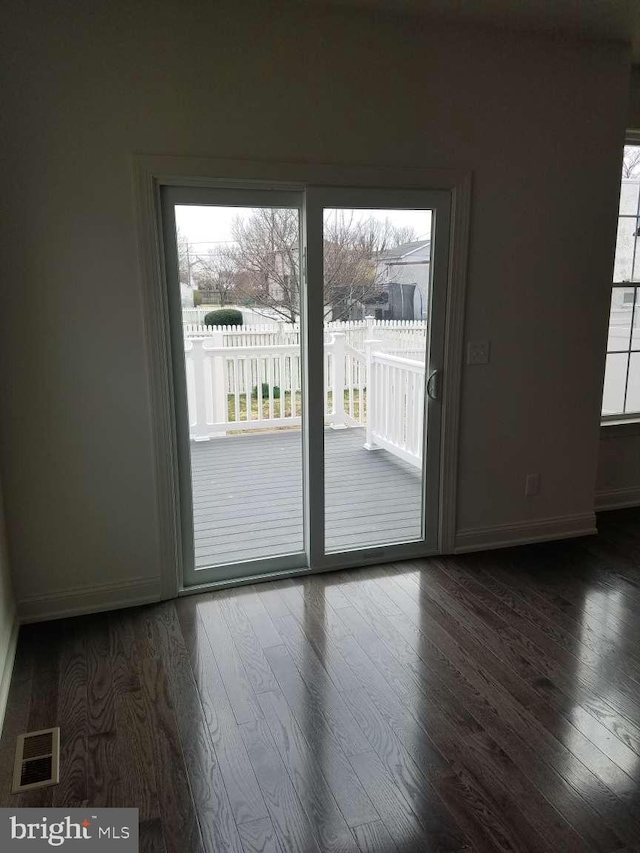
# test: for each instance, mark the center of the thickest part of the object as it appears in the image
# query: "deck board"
(247, 495)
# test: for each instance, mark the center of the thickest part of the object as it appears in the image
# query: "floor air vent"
(37, 763)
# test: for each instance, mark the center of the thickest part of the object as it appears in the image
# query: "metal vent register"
(37, 762)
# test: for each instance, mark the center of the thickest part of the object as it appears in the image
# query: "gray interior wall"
(634, 99)
(91, 83)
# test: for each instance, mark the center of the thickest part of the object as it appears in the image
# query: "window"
(621, 396)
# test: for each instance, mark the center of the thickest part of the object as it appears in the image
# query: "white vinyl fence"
(244, 378)
(400, 335)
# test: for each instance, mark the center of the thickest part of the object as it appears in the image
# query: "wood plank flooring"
(247, 495)
(489, 702)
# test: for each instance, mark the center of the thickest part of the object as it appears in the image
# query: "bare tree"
(352, 247)
(631, 161)
(266, 252)
(217, 272)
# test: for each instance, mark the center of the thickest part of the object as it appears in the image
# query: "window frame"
(632, 137)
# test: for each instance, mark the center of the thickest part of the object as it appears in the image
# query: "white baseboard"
(74, 602)
(7, 658)
(524, 532)
(617, 498)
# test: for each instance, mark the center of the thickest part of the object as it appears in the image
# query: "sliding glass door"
(233, 269)
(307, 337)
(377, 272)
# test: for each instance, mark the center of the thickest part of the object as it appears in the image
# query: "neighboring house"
(186, 296)
(282, 276)
(403, 274)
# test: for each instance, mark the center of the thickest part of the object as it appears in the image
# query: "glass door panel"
(377, 295)
(237, 327)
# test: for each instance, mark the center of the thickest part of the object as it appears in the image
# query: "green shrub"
(265, 391)
(197, 298)
(223, 317)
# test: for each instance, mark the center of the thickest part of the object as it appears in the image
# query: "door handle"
(433, 385)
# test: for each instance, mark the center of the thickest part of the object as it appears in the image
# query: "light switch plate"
(478, 352)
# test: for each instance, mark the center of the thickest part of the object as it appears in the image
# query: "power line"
(207, 242)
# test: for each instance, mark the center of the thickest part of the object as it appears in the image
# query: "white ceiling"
(606, 19)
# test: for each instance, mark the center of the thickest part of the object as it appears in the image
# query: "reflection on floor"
(486, 702)
(247, 495)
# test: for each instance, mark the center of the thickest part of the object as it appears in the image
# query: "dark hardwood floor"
(489, 702)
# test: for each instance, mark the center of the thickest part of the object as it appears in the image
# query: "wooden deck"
(247, 493)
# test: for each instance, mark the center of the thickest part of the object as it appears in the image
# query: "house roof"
(403, 250)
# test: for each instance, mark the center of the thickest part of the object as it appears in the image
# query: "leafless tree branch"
(631, 161)
(265, 256)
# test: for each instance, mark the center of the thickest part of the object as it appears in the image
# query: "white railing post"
(371, 345)
(198, 417)
(218, 384)
(337, 380)
(370, 322)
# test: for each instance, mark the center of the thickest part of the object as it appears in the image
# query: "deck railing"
(396, 408)
(259, 387)
(239, 383)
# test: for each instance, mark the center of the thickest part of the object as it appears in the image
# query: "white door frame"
(153, 172)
